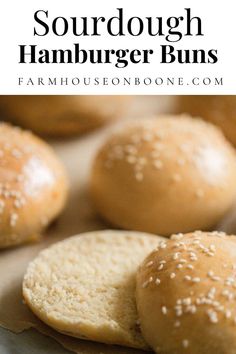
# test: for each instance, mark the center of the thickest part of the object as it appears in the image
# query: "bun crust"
(33, 186)
(186, 295)
(85, 286)
(164, 175)
(220, 110)
(62, 115)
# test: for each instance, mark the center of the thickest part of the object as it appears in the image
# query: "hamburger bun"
(186, 295)
(33, 186)
(220, 110)
(164, 175)
(61, 115)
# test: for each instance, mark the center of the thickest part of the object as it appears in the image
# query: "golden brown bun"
(186, 295)
(61, 115)
(33, 186)
(220, 110)
(165, 175)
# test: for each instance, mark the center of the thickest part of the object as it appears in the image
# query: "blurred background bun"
(62, 115)
(220, 110)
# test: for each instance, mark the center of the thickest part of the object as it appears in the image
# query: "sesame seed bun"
(33, 186)
(164, 175)
(220, 110)
(186, 295)
(61, 115)
(85, 286)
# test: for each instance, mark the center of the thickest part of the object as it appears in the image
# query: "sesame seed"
(13, 219)
(178, 236)
(215, 278)
(182, 260)
(139, 176)
(196, 242)
(131, 159)
(190, 266)
(200, 193)
(176, 177)
(185, 343)
(176, 256)
(178, 312)
(192, 309)
(187, 301)
(145, 284)
(130, 149)
(212, 316)
(211, 293)
(162, 262)
(177, 324)
(158, 164)
(179, 266)
(142, 161)
(157, 281)
(164, 310)
(162, 245)
(192, 255)
(172, 275)
(196, 280)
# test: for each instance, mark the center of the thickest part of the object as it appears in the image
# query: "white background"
(17, 24)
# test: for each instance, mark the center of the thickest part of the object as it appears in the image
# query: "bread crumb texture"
(186, 295)
(85, 286)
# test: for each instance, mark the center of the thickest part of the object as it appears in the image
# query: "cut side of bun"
(85, 286)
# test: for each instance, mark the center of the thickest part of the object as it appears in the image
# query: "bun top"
(33, 185)
(220, 110)
(186, 294)
(65, 115)
(158, 163)
(165, 143)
